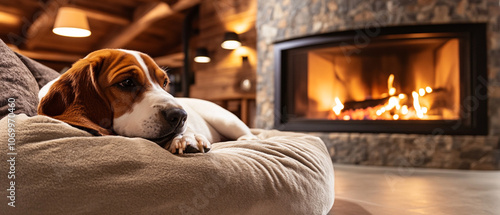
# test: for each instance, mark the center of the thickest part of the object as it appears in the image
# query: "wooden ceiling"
(150, 26)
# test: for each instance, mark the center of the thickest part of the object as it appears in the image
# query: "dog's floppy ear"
(76, 99)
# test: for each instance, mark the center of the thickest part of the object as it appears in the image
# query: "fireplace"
(424, 79)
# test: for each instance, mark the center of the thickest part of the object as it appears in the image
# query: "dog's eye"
(165, 83)
(127, 83)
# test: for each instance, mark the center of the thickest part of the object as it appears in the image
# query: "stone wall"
(287, 19)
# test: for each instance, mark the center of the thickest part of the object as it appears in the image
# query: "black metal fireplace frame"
(473, 78)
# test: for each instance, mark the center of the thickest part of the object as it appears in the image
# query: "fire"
(390, 83)
(397, 106)
(416, 105)
(338, 106)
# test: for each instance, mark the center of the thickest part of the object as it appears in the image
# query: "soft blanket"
(59, 169)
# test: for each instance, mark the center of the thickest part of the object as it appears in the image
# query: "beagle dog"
(123, 92)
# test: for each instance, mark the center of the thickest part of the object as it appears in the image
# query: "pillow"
(42, 73)
(17, 82)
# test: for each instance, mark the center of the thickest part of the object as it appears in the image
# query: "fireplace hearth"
(403, 142)
(426, 79)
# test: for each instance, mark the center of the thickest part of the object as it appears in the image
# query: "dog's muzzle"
(176, 119)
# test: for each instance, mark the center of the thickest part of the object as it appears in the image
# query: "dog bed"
(59, 169)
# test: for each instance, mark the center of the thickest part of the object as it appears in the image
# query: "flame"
(338, 106)
(390, 86)
(404, 110)
(421, 92)
(393, 102)
(416, 105)
(395, 108)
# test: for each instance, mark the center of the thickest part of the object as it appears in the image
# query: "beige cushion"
(63, 170)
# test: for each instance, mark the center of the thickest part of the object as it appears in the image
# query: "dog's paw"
(189, 143)
(248, 137)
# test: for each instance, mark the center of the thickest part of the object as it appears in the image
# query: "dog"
(124, 92)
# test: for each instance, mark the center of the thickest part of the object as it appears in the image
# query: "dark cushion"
(42, 73)
(16, 81)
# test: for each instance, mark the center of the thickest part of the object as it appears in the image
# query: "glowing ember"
(393, 102)
(404, 110)
(421, 92)
(396, 107)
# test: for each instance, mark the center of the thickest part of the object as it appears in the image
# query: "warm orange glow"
(230, 44)
(393, 102)
(338, 106)
(379, 112)
(71, 22)
(421, 92)
(9, 19)
(245, 20)
(234, 58)
(395, 108)
(202, 59)
(390, 86)
(404, 110)
(416, 105)
(341, 88)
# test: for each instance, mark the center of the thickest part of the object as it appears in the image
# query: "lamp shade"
(231, 41)
(71, 22)
(202, 56)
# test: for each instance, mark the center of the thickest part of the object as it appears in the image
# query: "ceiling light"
(202, 56)
(231, 41)
(71, 22)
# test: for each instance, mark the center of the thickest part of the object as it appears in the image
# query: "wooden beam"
(45, 55)
(105, 17)
(173, 60)
(184, 4)
(43, 24)
(145, 16)
(153, 13)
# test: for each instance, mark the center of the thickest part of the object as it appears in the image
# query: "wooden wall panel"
(226, 67)
(220, 79)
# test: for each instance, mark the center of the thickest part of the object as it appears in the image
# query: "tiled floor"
(414, 191)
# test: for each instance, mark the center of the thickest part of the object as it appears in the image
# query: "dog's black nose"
(175, 116)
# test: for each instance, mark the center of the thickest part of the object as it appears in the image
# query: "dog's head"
(113, 91)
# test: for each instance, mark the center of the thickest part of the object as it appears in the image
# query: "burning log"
(348, 105)
(352, 105)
